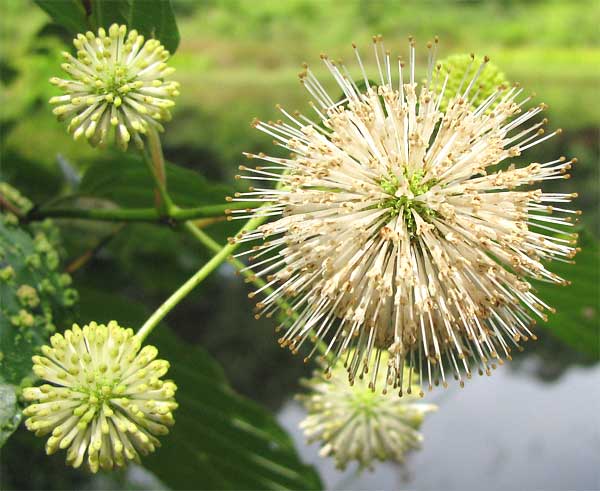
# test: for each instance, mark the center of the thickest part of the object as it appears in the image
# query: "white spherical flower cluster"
(356, 423)
(117, 81)
(105, 396)
(395, 224)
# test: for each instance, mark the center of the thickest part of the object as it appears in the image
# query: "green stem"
(135, 214)
(7, 205)
(212, 245)
(158, 159)
(156, 163)
(222, 254)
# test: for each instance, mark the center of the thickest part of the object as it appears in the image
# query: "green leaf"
(127, 182)
(70, 14)
(576, 319)
(155, 18)
(220, 440)
(152, 18)
(10, 414)
(104, 13)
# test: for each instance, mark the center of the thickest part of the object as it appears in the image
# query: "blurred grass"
(239, 58)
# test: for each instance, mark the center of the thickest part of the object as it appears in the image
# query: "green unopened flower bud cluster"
(117, 81)
(32, 286)
(105, 396)
(460, 69)
(357, 423)
(15, 198)
(35, 294)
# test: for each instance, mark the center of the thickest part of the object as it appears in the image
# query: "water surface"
(511, 431)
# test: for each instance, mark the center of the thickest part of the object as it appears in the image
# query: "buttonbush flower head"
(116, 81)
(104, 396)
(399, 226)
(358, 423)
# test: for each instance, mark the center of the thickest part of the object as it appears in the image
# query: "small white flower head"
(358, 423)
(105, 396)
(117, 81)
(397, 225)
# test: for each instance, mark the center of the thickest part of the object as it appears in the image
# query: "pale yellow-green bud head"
(361, 421)
(104, 397)
(116, 80)
(460, 70)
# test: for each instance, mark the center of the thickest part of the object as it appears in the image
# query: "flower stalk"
(194, 281)
(176, 214)
(242, 269)
(156, 163)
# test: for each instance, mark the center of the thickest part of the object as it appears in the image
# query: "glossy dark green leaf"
(229, 442)
(220, 440)
(105, 13)
(127, 182)
(70, 14)
(577, 317)
(152, 18)
(155, 18)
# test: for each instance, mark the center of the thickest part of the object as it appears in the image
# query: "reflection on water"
(512, 431)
